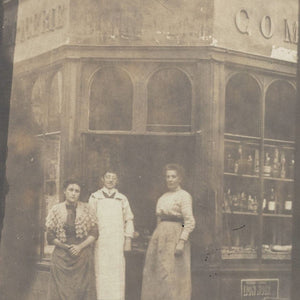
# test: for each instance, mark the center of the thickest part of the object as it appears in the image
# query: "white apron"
(109, 255)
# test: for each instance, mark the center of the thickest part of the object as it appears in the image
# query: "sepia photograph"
(149, 149)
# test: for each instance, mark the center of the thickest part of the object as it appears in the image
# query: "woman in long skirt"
(167, 271)
(72, 228)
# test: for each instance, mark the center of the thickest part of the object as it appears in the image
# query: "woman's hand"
(179, 248)
(74, 250)
(127, 244)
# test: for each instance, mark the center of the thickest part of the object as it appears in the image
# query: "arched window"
(242, 107)
(111, 100)
(169, 101)
(280, 111)
(54, 103)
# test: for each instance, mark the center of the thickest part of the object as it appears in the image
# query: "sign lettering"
(291, 32)
(266, 26)
(40, 23)
(259, 289)
(242, 21)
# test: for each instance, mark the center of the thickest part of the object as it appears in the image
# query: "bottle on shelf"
(256, 162)
(276, 164)
(272, 202)
(255, 204)
(283, 166)
(252, 204)
(243, 202)
(291, 168)
(265, 205)
(267, 165)
(288, 204)
(229, 166)
(239, 165)
(235, 203)
(250, 165)
(227, 201)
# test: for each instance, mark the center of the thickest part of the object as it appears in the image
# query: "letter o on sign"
(266, 27)
(242, 21)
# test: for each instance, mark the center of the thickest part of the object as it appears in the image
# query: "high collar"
(109, 192)
(71, 205)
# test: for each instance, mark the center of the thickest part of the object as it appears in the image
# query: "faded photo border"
(18, 252)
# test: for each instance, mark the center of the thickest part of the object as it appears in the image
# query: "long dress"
(115, 222)
(71, 278)
(166, 276)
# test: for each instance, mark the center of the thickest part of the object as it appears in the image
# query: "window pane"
(38, 107)
(242, 113)
(280, 111)
(54, 103)
(111, 101)
(169, 101)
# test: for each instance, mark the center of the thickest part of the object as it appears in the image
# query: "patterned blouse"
(177, 204)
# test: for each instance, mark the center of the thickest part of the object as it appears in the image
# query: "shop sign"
(267, 26)
(259, 289)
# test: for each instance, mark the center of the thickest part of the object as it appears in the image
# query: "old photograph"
(151, 149)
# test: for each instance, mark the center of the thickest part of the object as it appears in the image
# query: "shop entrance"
(140, 160)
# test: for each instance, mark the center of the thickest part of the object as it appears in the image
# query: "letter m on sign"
(291, 32)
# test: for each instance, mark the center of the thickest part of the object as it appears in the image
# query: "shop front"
(215, 94)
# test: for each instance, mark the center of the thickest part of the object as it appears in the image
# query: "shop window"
(169, 101)
(242, 112)
(37, 107)
(111, 96)
(280, 111)
(54, 103)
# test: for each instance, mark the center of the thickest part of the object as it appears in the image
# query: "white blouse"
(178, 204)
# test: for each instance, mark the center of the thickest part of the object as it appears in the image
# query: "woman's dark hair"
(71, 181)
(110, 170)
(175, 167)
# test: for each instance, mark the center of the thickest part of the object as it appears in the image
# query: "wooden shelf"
(241, 213)
(257, 177)
(279, 179)
(241, 175)
(244, 137)
(277, 215)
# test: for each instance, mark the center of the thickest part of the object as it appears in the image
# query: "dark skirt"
(166, 276)
(72, 278)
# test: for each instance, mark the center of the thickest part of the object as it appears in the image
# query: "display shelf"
(279, 179)
(231, 136)
(241, 175)
(240, 213)
(276, 252)
(233, 253)
(277, 215)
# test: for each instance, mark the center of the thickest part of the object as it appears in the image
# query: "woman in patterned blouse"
(167, 273)
(72, 228)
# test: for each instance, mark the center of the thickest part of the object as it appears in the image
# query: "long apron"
(166, 276)
(109, 255)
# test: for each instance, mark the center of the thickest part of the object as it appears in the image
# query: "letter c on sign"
(266, 27)
(242, 21)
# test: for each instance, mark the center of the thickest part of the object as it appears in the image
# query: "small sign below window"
(259, 289)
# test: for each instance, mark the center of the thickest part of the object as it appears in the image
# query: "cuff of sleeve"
(129, 235)
(184, 236)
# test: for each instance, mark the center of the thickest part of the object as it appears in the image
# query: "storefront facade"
(136, 85)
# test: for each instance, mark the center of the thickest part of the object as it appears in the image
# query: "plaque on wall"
(259, 289)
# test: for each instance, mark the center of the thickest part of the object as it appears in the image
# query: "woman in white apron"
(115, 224)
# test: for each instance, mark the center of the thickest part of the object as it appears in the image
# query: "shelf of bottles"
(251, 191)
(241, 199)
(277, 202)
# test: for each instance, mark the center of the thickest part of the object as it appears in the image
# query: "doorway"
(140, 160)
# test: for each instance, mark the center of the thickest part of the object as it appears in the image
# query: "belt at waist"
(165, 218)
